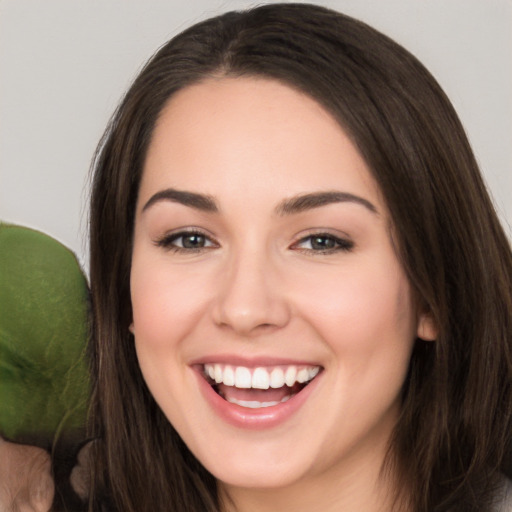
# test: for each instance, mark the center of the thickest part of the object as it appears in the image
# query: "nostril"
(250, 306)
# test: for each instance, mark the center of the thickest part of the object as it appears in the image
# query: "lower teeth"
(253, 404)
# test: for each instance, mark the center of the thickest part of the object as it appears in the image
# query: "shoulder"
(503, 501)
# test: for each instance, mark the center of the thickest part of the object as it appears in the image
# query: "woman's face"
(273, 321)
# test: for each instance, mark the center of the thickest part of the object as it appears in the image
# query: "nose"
(251, 299)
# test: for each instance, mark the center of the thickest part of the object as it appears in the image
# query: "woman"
(302, 294)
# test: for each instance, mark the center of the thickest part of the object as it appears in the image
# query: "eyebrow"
(200, 202)
(303, 202)
(296, 204)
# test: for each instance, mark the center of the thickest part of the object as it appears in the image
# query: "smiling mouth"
(260, 387)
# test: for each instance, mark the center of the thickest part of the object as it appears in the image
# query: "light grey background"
(64, 64)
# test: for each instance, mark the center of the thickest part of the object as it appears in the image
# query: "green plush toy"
(43, 335)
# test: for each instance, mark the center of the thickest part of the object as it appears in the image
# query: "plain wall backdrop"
(65, 64)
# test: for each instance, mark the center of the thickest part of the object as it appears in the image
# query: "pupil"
(322, 242)
(193, 241)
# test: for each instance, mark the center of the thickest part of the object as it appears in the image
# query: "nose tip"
(246, 323)
(251, 302)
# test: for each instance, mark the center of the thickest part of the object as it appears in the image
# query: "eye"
(323, 243)
(186, 241)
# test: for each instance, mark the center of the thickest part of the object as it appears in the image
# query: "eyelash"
(338, 244)
(168, 241)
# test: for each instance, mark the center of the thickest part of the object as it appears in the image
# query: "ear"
(131, 328)
(427, 327)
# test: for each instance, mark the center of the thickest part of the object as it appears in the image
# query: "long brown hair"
(451, 439)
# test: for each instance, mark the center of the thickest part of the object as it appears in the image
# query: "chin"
(266, 473)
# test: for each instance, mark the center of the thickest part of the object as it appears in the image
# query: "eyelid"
(343, 241)
(166, 240)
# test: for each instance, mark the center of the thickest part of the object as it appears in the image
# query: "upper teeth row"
(259, 378)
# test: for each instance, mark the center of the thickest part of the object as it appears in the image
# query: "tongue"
(258, 395)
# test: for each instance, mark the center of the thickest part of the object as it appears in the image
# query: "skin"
(260, 289)
(26, 482)
(80, 474)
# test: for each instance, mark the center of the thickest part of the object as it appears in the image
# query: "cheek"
(165, 304)
(165, 309)
(360, 309)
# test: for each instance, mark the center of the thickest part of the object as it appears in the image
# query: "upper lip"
(252, 362)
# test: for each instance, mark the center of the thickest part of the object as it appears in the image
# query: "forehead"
(228, 135)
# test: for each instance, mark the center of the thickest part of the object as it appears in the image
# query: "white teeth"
(313, 372)
(253, 404)
(243, 377)
(277, 378)
(260, 378)
(229, 376)
(218, 373)
(289, 376)
(302, 375)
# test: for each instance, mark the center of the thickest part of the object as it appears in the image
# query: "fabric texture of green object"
(43, 337)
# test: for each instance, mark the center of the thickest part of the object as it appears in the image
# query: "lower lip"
(254, 419)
